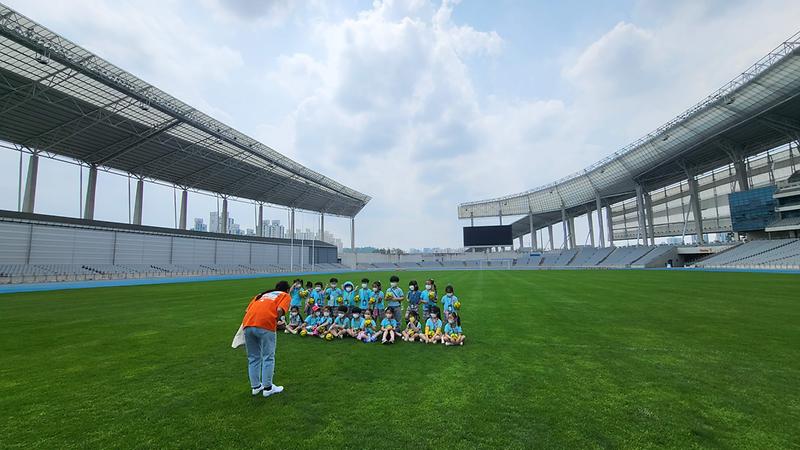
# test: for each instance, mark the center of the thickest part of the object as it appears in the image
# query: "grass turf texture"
(553, 359)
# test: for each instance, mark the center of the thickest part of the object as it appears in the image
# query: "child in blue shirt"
(334, 294)
(413, 297)
(433, 327)
(388, 327)
(356, 323)
(413, 328)
(452, 331)
(364, 293)
(428, 298)
(349, 296)
(450, 301)
(318, 295)
(295, 323)
(312, 319)
(368, 334)
(376, 300)
(394, 300)
(308, 299)
(324, 323)
(341, 323)
(297, 286)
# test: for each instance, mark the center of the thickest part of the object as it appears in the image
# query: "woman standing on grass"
(260, 322)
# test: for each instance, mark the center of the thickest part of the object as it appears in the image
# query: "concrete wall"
(53, 243)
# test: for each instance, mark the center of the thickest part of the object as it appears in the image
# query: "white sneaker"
(274, 390)
(256, 391)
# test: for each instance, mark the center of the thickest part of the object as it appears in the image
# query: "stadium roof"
(758, 110)
(59, 98)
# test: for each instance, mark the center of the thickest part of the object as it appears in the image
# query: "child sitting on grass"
(412, 330)
(324, 323)
(452, 331)
(368, 334)
(311, 321)
(433, 327)
(388, 327)
(295, 323)
(356, 323)
(280, 324)
(341, 323)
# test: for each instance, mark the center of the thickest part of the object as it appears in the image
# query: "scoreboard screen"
(487, 235)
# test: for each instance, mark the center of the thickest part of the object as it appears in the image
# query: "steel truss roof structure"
(757, 111)
(56, 97)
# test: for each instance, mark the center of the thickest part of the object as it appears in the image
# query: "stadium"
(653, 294)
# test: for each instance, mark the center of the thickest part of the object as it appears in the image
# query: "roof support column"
(224, 219)
(550, 233)
(137, 202)
(184, 204)
(29, 199)
(534, 244)
(520, 242)
(260, 224)
(322, 227)
(642, 231)
(353, 241)
(610, 226)
(741, 174)
(648, 205)
(591, 227)
(571, 228)
(694, 202)
(599, 206)
(91, 188)
(564, 226)
(291, 240)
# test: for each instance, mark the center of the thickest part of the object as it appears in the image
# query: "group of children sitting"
(335, 312)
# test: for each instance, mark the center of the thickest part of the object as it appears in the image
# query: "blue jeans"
(260, 344)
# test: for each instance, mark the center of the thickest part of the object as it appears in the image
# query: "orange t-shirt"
(263, 312)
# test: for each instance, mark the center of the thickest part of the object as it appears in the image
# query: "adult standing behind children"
(260, 323)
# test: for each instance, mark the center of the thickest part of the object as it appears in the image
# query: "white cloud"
(256, 12)
(390, 108)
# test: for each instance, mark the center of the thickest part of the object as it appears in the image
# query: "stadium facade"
(60, 101)
(676, 180)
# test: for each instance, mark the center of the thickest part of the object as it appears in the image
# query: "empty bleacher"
(776, 253)
(599, 256)
(625, 256)
(583, 256)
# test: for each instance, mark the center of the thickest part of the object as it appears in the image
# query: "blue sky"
(420, 104)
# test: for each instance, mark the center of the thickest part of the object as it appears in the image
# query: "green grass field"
(567, 359)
